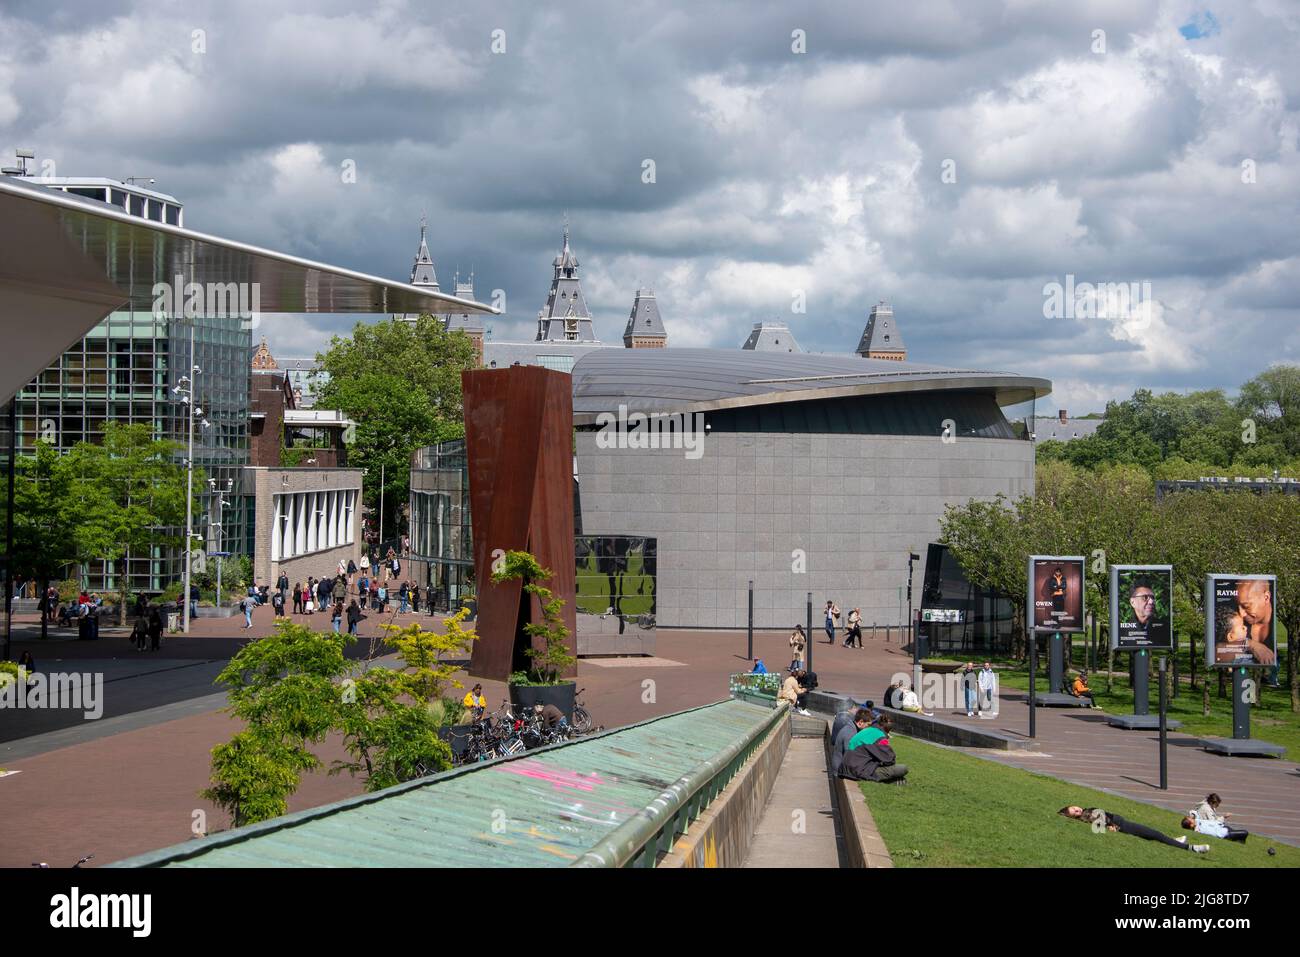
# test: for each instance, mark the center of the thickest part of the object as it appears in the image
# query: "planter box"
(527, 696)
(223, 612)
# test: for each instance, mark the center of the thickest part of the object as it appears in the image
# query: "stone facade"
(854, 504)
(332, 499)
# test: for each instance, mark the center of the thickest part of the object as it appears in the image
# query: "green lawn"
(960, 811)
(1270, 720)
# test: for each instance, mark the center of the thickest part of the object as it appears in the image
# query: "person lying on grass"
(1102, 821)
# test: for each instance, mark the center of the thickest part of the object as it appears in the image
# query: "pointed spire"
(422, 273)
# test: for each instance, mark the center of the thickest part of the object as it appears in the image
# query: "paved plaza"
(129, 782)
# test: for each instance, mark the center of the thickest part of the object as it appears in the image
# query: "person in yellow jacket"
(474, 702)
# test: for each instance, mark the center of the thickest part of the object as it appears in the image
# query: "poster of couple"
(1241, 620)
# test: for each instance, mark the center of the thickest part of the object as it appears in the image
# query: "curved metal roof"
(703, 380)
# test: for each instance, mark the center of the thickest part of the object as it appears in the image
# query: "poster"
(1056, 592)
(1141, 607)
(1240, 620)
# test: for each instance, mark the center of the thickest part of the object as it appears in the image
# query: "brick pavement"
(135, 791)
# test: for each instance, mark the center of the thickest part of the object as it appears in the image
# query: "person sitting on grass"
(1206, 819)
(1080, 689)
(861, 719)
(1102, 821)
(870, 757)
(793, 692)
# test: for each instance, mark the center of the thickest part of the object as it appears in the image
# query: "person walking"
(308, 599)
(155, 629)
(246, 606)
(970, 687)
(987, 682)
(297, 598)
(354, 617)
(374, 592)
(282, 586)
(383, 599)
(140, 634)
(798, 641)
(832, 615)
(854, 633)
(404, 595)
(336, 616)
(363, 589)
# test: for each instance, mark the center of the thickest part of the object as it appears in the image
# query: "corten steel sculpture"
(519, 445)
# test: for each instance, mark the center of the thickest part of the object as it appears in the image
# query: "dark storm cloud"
(952, 157)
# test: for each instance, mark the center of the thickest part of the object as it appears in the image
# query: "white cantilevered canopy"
(66, 262)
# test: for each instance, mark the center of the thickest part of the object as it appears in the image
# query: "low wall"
(721, 836)
(863, 845)
(967, 733)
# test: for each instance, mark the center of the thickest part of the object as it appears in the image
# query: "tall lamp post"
(185, 389)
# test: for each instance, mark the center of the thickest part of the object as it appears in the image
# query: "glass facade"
(440, 523)
(617, 578)
(123, 371)
(986, 615)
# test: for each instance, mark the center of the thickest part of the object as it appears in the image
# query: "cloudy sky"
(953, 158)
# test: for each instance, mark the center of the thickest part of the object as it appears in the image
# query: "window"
(558, 363)
(155, 210)
(173, 215)
(117, 197)
(137, 205)
(90, 192)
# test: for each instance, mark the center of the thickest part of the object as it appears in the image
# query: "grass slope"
(961, 811)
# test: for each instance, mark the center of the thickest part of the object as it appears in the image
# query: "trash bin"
(173, 621)
(83, 628)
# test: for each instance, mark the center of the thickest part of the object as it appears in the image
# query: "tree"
(1272, 398)
(127, 495)
(44, 525)
(284, 688)
(400, 381)
(554, 661)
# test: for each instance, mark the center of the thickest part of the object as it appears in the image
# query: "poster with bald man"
(1240, 620)
(1141, 607)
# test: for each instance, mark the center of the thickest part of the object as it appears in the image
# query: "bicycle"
(581, 719)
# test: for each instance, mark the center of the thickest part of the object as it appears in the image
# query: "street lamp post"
(185, 389)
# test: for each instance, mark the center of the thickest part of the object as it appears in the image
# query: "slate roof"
(771, 337)
(644, 319)
(881, 333)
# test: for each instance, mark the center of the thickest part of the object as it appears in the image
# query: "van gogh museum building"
(817, 473)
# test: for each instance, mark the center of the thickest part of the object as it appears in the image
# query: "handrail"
(637, 841)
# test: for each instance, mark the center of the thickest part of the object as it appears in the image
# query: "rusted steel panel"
(519, 446)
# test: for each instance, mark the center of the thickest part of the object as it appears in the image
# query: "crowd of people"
(354, 588)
